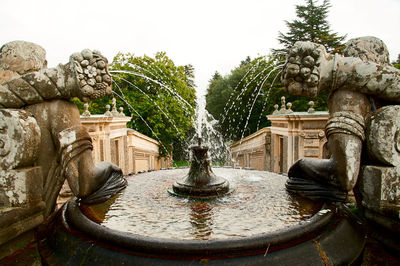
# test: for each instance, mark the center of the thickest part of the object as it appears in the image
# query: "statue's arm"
(310, 69)
(74, 150)
(86, 76)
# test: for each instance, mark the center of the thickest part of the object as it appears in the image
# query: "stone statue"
(360, 81)
(55, 139)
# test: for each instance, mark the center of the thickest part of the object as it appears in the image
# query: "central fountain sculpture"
(201, 182)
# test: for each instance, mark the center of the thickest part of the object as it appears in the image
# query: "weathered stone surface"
(383, 135)
(359, 81)
(74, 79)
(19, 139)
(16, 227)
(380, 188)
(20, 187)
(28, 136)
(22, 57)
(367, 48)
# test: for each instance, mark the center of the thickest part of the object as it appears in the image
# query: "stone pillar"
(285, 154)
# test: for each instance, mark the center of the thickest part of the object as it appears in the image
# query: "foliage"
(157, 94)
(237, 100)
(311, 25)
(396, 63)
(241, 100)
(180, 163)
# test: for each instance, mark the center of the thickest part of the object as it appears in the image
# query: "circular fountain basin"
(257, 223)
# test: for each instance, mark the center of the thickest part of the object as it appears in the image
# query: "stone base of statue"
(201, 182)
(379, 182)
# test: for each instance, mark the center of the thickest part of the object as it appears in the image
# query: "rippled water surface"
(258, 204)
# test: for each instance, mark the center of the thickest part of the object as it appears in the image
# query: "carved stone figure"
(50, 125)
(361, 81)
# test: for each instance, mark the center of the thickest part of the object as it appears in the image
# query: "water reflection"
(201, 219)
(301, 206)
(98, 212)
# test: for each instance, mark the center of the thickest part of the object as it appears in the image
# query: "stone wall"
(252, 152)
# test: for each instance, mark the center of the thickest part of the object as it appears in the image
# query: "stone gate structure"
(112, 141)
(291, 136)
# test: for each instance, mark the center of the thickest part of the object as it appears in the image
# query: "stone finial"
(114, 111)
(86, 112)
(283, 109)
(108, 113)
(311, 109)
(121, 112)
(276, 109)
(289, 107)
(283, 103)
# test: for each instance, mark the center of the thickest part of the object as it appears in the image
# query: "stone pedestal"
(21, 184)
(380, 191)
(21, 208)
(379, 184)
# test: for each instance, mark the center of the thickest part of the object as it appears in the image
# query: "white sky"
(212, 35)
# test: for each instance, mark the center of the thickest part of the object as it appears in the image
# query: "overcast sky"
(212, 35)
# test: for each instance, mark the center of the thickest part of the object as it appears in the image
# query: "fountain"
(232, 217)
(201, 182)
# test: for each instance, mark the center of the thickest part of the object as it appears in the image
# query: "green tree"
(241, 100)
(157, 94)
(311, 25)
(238, 100)
(189, 76)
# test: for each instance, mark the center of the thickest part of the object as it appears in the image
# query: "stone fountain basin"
(325, 236)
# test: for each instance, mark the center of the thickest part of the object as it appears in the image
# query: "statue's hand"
(91, 70)
(103, 171)
(109, 180)
(302, 72)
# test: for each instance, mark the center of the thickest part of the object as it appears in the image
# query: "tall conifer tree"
(311, 25)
